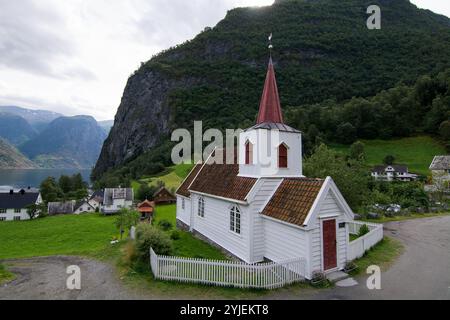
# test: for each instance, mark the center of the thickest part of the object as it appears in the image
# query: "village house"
(393, 173)
(96, 199)
(83, 206)
(164, 196)
(115, 199)
(257, 211)
(440, 169)
(13, 204)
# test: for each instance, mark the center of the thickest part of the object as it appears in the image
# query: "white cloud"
(438, 6)
(74, 57)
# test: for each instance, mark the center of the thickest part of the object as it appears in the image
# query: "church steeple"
(270, 107)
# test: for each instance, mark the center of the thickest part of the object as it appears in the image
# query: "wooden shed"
(164, 196)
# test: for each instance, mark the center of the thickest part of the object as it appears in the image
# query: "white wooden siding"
(184, 215)
(283, 241)
(11, 214)
(266, 189)
(329, 207)
(216, 226)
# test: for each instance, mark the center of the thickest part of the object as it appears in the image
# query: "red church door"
(329, 245)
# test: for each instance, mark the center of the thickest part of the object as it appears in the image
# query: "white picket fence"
(269, 275)
(358, 248)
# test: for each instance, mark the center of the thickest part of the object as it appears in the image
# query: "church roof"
(183, 190)
(270, 107)
(293, 200)
(222, 180)
(274, 126)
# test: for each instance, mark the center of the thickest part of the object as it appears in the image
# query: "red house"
(146, 209)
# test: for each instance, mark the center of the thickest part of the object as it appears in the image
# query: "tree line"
(402, 111)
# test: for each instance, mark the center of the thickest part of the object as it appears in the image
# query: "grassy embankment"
(416, 152)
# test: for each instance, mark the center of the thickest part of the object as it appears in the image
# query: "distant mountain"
(106, 125)
(11, 158)
(15, 129)
(38, 119)
(67, 142)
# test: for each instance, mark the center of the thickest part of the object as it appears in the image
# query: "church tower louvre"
(270, 148)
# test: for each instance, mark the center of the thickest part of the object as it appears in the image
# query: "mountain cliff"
(37, 119)
(67, 142)
(14, 129)
(11, 158)
(323, 50)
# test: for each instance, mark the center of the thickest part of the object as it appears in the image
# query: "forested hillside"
(323, 52)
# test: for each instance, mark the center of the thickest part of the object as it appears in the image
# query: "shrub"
(165, 225)
(175, 235)
(148, 237)
(130, 254)
(363, 230)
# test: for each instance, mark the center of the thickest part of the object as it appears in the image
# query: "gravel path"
(45, 279)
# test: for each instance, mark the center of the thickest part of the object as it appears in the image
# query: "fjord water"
(19, 178)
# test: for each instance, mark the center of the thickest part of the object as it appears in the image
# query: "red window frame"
(282, 156)
(248, 153)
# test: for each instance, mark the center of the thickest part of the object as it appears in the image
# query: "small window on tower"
(283, 156)
(248, 153)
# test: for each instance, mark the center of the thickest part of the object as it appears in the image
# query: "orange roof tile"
(222, 180)
(293, 200)
(183, 189)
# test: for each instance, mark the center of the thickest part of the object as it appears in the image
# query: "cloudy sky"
(74, 56)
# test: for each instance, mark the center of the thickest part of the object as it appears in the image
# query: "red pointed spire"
(270, 107)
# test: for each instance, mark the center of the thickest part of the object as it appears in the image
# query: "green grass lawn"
(172, 177)
(187, 246)
(383, 255)
(416, 152)
(59, 235)
(5, 275)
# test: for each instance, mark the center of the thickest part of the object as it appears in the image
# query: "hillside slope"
(323, 50)
(11, 158)
(15, 129)
(67, 142)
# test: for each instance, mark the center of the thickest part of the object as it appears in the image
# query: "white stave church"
(267, 210)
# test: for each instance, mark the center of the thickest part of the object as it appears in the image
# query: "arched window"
(235, 220)
(248, 153)
(201, 207)
(282, 156)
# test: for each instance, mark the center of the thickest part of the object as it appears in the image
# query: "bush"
(175, 235)
(165, 225)
(148, 237)
(363, 230)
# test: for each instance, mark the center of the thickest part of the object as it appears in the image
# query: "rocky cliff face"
(143, 118)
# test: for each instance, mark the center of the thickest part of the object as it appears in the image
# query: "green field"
(60, 235)
(416, 152)
(187, 246)
(172, 177)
